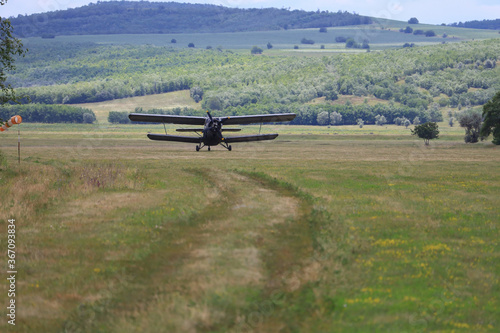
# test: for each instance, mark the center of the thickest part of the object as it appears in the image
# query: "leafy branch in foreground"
(491, 115)
(9, 48)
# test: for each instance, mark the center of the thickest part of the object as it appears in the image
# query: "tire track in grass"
(232, 266)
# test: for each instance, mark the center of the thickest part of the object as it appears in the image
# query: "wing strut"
(165, 127)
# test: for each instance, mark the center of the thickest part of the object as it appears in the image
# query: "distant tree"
(408, 45)
(335, 118)
(191, 45)
(427, 131)
(322, 47)
(380, 120)
(331, 96)
(451, 122)
(408, 30)
(323, 29)
(209, 47)
(491, 115)
(269, 45)
(306, 41)
(116, 117)
(471, 120)
(430, 33)
(214, 103)
(322, 118)
(295, 47)
(256, 50)
(351, 44)
(196, 93)
(416, 121)
(360, 122)
(340, 39)
(413, 20)
(173, 41)
(418, 32)
(88, 118)
(406, 122)
(365, 45)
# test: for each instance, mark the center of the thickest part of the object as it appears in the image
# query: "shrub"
(427, 131)
(116, 117)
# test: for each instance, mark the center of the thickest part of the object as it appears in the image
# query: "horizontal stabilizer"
(248, 138)
(201, 130)
(165, 137)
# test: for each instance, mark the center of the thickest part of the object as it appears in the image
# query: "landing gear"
(225, 145)
(208, 148)
(197, 148)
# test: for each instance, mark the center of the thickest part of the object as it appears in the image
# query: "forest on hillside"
(126, 17)
(484, 24)
(412, 82)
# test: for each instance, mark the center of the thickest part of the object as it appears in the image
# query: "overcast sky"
(427, 11)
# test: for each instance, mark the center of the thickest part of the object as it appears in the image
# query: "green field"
(381, 35)
(322, 230)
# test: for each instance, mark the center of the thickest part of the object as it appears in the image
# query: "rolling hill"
(145, 17)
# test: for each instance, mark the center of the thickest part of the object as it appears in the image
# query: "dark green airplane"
(211, 133)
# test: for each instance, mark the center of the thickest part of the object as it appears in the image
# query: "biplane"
(211, 133)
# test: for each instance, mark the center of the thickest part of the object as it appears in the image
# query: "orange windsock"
(12, 121)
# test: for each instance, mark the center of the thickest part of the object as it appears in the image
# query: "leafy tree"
(413, 20)
(323, 29)
(173, 41)
(430, 33)
(116, 117)
(471, 120)
(269, 45)
(408, 30)
(331, 96)
(406, 122)
(196, 93)
(491, 115)
(335, 118)
(256, 50)
(10, 47)
(88, 118)
(306, 41)
(380, 120)
(191, 45)
(323, 118)
(427, 131)
(360, 122)
(416, 121)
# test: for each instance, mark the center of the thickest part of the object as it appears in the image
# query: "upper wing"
(247, 138)
(264, 118)
(164, 137)
(167, 119)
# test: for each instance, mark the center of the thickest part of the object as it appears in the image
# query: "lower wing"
(248, 138)
(164, 137)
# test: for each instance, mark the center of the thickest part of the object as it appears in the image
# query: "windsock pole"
(12, 121)
(19, 147)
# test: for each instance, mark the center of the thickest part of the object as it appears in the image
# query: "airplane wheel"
(197, 148)
(229, 148)
(208, 148)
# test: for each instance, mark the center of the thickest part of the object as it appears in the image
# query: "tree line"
(133, 17)
(42, 113)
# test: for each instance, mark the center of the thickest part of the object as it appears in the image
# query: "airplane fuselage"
(212, 132)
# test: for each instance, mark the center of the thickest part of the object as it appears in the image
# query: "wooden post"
(19, 147)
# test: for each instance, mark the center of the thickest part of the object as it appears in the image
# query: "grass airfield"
(322, 229)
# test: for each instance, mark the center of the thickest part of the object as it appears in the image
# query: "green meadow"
(336, 229)
(383, 34)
